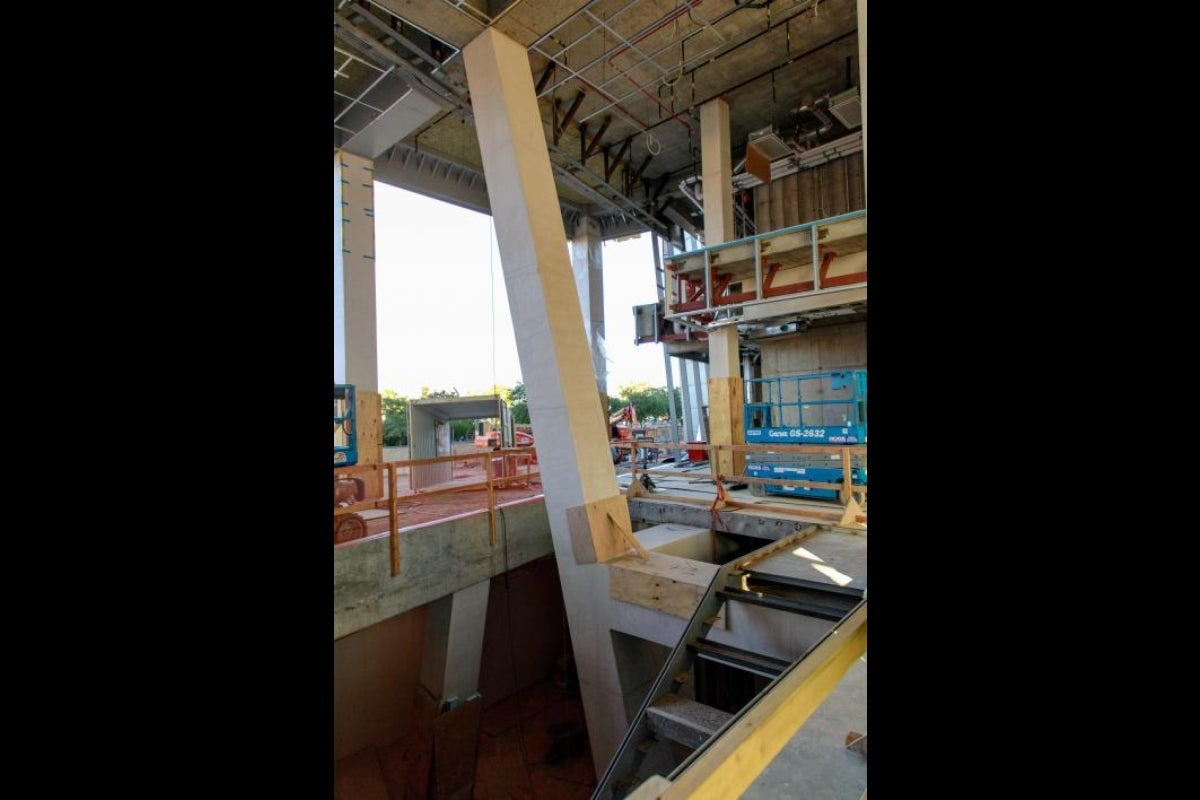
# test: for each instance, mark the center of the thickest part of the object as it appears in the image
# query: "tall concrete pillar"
(587, 262)
(725, 386)
(659, 278)
(862, 82)
(586, 512)
(716, 170)
(355, 358)
(689, 417)
(701, 400)
(355, 351)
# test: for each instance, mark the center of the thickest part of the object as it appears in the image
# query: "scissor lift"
(813, 408)
(345, 434)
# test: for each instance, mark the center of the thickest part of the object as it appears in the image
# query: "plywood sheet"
(762, 207)
(858, 197)
(725, 423)
(806, 197)
(791, 200)
(836, 186)
(777, 215)
(367, 416)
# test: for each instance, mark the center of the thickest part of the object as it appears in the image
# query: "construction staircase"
(716, 673)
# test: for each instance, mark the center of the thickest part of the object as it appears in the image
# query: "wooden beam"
(661, 582)
(837, 487)
(652, 788)
(570, 115)
(594, 147)
(369, 419)
(659, 185)
(393, 522)
(547, 74)
(787, 541)
(725, 415)
(609, 169)
(728, 766)
(555, 130)
(634, 178)
(491, 497)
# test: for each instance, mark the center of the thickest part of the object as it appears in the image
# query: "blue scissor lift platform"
(813, 408)
(345, 435)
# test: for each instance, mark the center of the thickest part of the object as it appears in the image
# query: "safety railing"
(847, 452)
(516, 466)
(814, 258)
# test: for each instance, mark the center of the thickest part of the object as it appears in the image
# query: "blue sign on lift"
(815, 408)
(345, 434)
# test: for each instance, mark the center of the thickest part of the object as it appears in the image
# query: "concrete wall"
(525, 632)
(434, 561)
(639, 661)
(817, 350)
(375, 673)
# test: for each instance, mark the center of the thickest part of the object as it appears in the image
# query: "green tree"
(650, 402)
(518, 404)
(395, 418)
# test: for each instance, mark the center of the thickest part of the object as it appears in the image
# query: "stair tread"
(684, 720)
(702, 646)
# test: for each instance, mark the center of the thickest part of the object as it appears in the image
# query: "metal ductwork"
(696, 197)
(815, 110)
(847, 107)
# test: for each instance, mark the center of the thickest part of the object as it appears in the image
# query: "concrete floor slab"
(838, 558)
(500, 772)
(358, 777)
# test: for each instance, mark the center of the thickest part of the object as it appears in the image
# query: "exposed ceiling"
(619, 84)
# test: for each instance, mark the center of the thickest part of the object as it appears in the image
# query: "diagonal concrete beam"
(583, 504)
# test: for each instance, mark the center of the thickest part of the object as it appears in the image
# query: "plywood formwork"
(831, 348)
(369, 419)
(826, 190)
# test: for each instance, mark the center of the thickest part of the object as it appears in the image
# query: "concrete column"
(716, 172)
(685, 386)
(659, 277)
(862, 83)
(355, 358)
(725, 387)
(587, 262)
(454, 627)
(355, 352)
(583, 504)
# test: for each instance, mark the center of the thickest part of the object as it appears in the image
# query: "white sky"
(442, 309)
